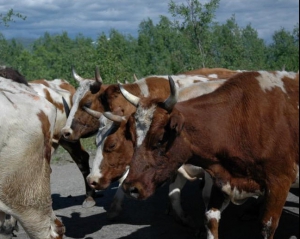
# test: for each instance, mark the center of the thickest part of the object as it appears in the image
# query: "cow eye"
(159, 143)
(88, 104)
(110, 147)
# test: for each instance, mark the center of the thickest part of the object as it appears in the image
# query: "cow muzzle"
(93, 181)
(97, 183)
(67, 133)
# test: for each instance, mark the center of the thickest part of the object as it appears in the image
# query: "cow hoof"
(88, 202)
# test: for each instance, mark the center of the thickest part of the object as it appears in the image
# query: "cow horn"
(66, 107)
(113, 117)
(76, 76)
(130, 97)
(172, 99)
(97, 75)
(94, 113)
(135, 78)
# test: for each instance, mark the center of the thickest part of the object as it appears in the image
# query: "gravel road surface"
(148, 219)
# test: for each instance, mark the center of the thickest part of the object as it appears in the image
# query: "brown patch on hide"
(40, 81)
(60, 229)
(59, 106)
(47, 135)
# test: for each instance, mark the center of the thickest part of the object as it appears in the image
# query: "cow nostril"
(134, 192)
(67, 134)
(94, 183)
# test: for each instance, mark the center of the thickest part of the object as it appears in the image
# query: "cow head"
(157, 127)
(80, 123)
(115, 141)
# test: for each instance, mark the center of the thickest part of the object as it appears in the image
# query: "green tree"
(9, 52)
(254, 50)
(227, 45)
(6, 18)
(234, 47)
(284, 50)
(54, 55)
(115, 55)
(162, 49)
(196, 23)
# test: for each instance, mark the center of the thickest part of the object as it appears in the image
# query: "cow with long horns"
(115, 142)
(245, 135)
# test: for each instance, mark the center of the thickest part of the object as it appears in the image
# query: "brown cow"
(97, 96)
(245, 135)
(115, 142)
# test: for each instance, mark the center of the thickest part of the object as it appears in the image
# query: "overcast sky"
(92, 17)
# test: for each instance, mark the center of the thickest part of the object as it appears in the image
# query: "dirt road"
(148, 219)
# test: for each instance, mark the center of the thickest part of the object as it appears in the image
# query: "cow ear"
(176, 122)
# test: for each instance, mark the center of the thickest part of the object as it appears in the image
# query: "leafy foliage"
(5, 19)
(189, 41)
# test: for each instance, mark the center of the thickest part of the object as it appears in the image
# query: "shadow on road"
(79, 227)
(150, 221)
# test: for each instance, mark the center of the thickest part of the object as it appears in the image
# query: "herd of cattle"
(237, 131)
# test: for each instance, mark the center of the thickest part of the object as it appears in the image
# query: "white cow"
(27, 123)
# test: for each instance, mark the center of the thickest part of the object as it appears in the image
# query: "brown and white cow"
(59, 93)
(245, 135)
(27, 124)
(97, 96)
(80, 124)
(115, 142)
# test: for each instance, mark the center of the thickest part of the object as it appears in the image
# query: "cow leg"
(275, 199)
(39, 224)
(81, 158)
(217, 203)
(207, 189)
(116, 206)
(175, 199)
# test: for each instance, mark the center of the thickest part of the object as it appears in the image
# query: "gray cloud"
(92, 17)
